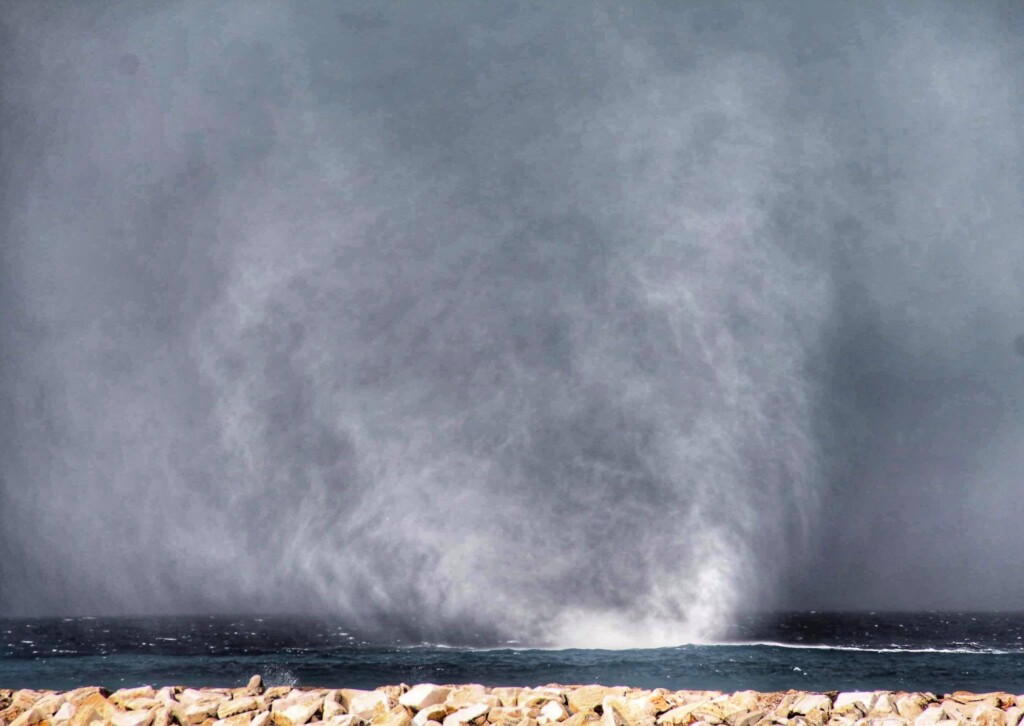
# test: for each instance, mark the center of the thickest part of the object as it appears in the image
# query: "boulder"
(912, 705)
(748, 718)
(437, 712)
(866, 699)
(508, 696)
(227, 709)
(332, 708)
(537, 697)
(364, 703)
(632, 710)
(588, 698)
(470, 695)
(930, 716)
(1013, 715)
(140, 704)
(126, 694)
(551, 712)
(261, 719)
(162, 717)
(885, 706)
(467, 714)
(133, 718)
(680, 715)
(29, 717)
(255, 684)
(239, 719)
(64, 713)
(582, 718)
(988, 715)
(511, 714)
(296, 713)
(93, 707)
(346, 719)
(423, 695)
(397, 716)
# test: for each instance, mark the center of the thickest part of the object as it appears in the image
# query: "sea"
(931, 651)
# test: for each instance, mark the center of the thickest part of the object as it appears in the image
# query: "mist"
(578, 324)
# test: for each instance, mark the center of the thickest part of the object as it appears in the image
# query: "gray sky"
(582, 323)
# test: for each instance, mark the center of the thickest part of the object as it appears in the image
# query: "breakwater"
(476, 705)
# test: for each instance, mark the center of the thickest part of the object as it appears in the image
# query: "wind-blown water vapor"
(531, 322)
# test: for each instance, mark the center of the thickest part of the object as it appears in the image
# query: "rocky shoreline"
(476, 705)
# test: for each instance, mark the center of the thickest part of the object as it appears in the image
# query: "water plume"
(480, 320)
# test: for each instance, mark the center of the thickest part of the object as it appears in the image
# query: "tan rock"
(255, 684)
(423, 695)
(930, 716)
(133, 718)
(746, 700)
(748, 718)
(537, 697)
(64, 713)
(885, 706)
(472, 694)
(332, 708)
(509, 697)
(680, 715)
(581, 718)
(296, 713)
(261, 719)
(238, 719)
(436, 712)
(198, 712)
(467, 714)
(587, 698)
(865, 699)
(277, 692)
(364, 703)
(346, 719)
(126, 694)
(956, 711)
(911, 705)
(511, 714)
(633, 710)
(140, 704)
(235, 706)
(988, 715)
(810, 702)
(93, 707)
(29, 717)
(1013, 715)
(80, 694)
(162, 717)
(397, 716)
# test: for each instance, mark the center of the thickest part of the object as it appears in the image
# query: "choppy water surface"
(815, 651)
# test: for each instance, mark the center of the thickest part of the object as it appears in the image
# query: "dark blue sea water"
(939, 652)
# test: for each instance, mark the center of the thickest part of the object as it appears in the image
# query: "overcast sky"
(592, 323)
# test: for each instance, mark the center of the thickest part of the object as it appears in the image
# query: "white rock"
(296, 714)
(423, 695)
(930, 716)
(346, 719)
(865, 698)
(436, 712)
(551, 712)
(65, 712)
(811, 702)
(132, 718)
(467, 714)
(364, 703)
